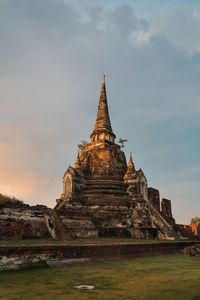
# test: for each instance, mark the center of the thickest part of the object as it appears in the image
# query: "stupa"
(104, 196)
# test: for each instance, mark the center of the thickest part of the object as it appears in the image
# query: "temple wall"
(144, 189)
(21, 257)
(22, 222)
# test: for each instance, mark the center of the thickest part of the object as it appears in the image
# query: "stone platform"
(20, 257)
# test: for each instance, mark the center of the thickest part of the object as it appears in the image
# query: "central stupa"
(101, 161)
(103, 196)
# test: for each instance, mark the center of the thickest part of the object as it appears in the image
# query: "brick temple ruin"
(105, 196)
(102, 196)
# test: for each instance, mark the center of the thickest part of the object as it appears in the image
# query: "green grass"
(156, 278)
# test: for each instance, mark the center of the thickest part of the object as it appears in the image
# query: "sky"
(52, 57)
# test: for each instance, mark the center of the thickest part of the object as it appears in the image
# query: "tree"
(195, 220)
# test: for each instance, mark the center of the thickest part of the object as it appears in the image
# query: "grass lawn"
(158, 278)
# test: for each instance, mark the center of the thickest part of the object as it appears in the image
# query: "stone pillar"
(166, 208)
(154, 198)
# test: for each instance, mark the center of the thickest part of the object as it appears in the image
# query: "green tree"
(195, 220)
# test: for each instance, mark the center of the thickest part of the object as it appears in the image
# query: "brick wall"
(96, 250)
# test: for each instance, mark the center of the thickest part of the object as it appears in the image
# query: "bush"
(5, 200)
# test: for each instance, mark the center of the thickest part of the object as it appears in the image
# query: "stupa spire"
(131, 158)
(103, 125)
(131, 167)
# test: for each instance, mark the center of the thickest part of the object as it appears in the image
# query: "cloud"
(52, 57)
(178, 23)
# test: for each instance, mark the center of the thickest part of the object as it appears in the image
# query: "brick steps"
(60, 230)
(105, 187)
(106, 200)
(161, 222)
(104, 192)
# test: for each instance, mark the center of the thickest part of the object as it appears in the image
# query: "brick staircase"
(159, 221)
(57, 229)
(106, 199)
